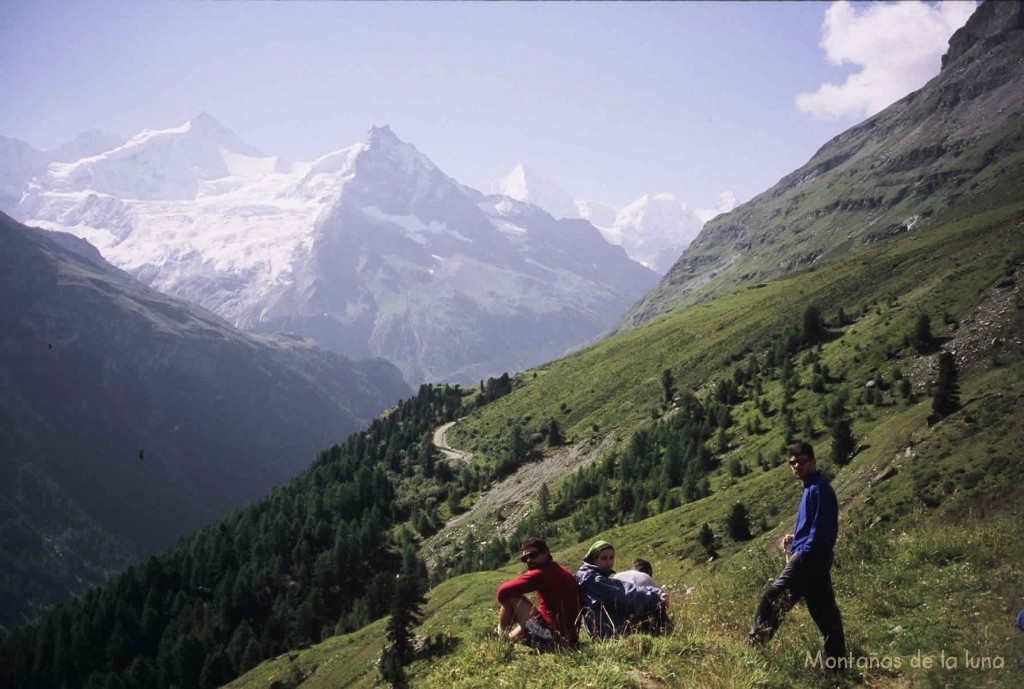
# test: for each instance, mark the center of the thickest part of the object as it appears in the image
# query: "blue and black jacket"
(817, 520)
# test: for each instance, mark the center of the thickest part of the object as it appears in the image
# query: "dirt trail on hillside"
(499, 510)
(442, 444)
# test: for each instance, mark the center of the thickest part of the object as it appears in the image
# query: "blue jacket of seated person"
(607, 603)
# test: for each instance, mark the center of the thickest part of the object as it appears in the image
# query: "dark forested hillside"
(129, 417)
(314, 557)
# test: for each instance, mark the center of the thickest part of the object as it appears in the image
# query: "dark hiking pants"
(808, 579)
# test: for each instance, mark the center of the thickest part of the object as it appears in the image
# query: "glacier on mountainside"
(370, 250)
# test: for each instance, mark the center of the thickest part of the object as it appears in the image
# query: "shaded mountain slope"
(148, 415)
(899, 171)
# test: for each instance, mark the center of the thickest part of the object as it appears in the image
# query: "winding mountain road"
(499, 509)
(450, 452)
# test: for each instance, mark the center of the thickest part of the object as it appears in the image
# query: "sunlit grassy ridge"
(939, 580)
(930, 544)
(615, 383)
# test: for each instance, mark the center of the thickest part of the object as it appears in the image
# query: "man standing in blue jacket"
(807, 574)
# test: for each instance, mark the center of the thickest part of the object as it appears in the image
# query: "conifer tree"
(668, 387)
(407, 603)
(518, 444)
(906, 392)
(454, 504)
(216, 671)
(721, 441)
(814, 326)
(843, 442)
(555, 434)
(707, 540)
(946, 396)
(391, 669)
(922, 336)
(544, 501)
(738, 523)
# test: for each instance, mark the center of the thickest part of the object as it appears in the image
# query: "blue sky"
(611, 100)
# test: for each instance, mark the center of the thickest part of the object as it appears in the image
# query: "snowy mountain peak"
(654, 209)
(159, 164)
(206, 119)
(16, 154)
(207, 126)
(599, 214)
(382, 134)
(381, 139)
(524, 183)
(86, 145)
(516, 184)
(382, 153)
(334, 162)
(19, 163)
(653, 230)
(380, 159)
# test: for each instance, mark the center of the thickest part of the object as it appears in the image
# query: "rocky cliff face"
(897, 172)
(987, 23)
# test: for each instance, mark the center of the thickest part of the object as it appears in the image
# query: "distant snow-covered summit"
(524, 183)
(161, 164)
(369, 250)
(653, 230)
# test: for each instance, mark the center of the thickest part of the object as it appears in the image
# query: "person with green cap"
(609, 604)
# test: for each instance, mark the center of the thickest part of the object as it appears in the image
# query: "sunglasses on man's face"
(794, 461)
(529, 556)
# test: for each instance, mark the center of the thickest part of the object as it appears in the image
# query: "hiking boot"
(754, 640)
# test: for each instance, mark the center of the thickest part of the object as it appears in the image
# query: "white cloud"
(898, 47)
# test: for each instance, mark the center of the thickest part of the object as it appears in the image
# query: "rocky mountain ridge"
(888, 175)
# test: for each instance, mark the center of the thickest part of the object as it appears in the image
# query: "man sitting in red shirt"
(555, 619)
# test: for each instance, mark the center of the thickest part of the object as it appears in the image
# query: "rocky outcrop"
(988, 23)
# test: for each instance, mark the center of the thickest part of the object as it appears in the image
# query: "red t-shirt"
(558, 597)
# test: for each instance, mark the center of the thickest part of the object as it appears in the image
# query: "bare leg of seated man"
(513, 616)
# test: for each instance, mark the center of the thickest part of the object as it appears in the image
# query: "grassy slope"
(928, 559)
(939, 579)
(617, 382)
